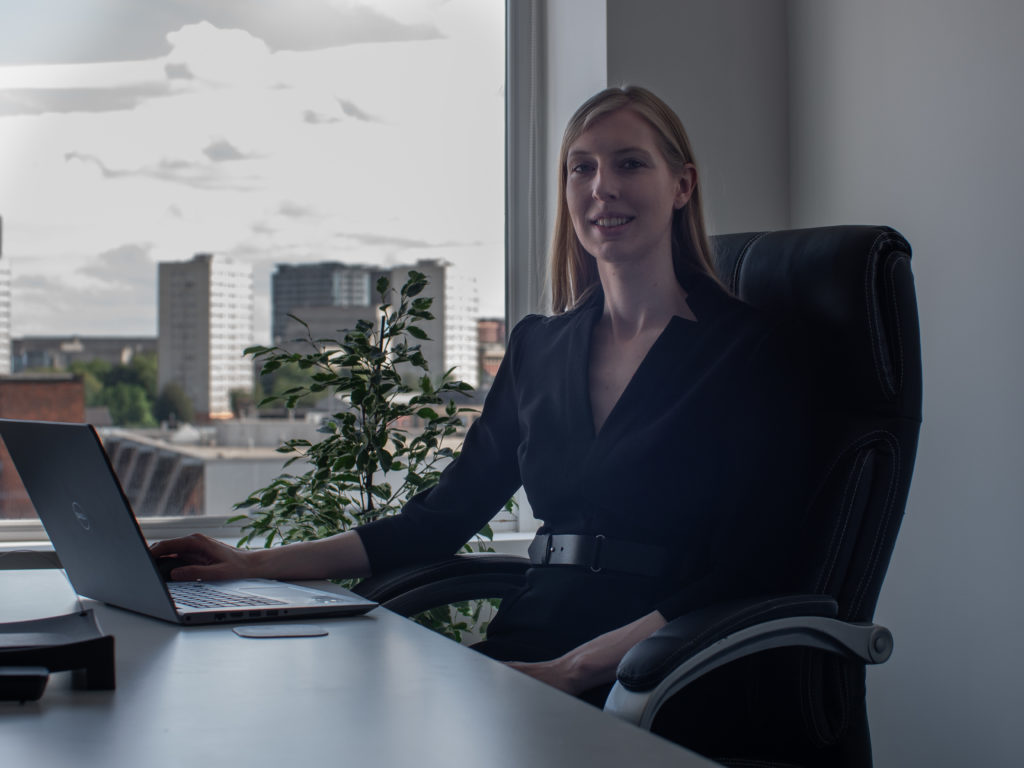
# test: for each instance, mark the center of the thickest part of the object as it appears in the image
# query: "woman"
(649, 420)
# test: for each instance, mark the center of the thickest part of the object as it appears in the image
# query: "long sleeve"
(471, 489)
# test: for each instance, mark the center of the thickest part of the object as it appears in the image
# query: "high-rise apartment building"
(5, 308)
(461, 309)
(327, 296)
(205, 322)
(330, 297)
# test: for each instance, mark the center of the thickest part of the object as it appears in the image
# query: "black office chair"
(790, 668)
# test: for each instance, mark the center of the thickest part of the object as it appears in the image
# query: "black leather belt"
(597, 553)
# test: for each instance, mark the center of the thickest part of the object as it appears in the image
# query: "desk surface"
(378, 690)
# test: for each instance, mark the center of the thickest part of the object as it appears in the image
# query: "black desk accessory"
(30, 650)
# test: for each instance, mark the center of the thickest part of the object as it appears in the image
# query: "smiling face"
(621, 193)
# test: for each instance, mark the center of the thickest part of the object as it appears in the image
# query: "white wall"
(722, 67)
(909, 113)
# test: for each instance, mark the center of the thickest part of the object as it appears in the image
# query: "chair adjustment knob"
(880, 645)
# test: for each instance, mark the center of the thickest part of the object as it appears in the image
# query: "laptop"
(83, 508)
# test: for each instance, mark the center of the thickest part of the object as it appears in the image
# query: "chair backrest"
(850, 292)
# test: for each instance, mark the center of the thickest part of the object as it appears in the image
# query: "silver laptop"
(90, 522)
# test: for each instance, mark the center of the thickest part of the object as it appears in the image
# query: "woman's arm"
(593, 663)
(206, 559)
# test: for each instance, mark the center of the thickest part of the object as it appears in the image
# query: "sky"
(267, 131)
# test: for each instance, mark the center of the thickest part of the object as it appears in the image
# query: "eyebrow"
(623, 151)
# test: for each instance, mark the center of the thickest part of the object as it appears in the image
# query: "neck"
(640, 298)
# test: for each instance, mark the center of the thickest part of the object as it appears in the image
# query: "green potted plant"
(369, 462)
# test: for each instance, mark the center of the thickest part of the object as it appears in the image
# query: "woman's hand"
(205, 559)
(556, 673)
(594, 663)
(339, 556)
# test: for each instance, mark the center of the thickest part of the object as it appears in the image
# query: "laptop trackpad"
(280, 630)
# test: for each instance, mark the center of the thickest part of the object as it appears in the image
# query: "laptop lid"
(83, 508)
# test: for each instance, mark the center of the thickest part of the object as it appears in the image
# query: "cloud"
(352, 110)
(81, 31)
(305, 25)
(178, 71)
(222, 150)
(384, 240)
(218, 55)
(127, 265)
(295, 210)
(317, 118)
(38, 101)
(173, 170)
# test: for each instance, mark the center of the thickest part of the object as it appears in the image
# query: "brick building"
(491, 346)
(54, 397)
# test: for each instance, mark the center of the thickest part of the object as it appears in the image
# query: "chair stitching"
(844, 711)
(872, 567)
(737, 267)
(854, 444)
(848, 500)
(899, 325)
(804, 684)
(874, 335)
(826, 567)
(869, 571)
(857, 444)
(815, 701)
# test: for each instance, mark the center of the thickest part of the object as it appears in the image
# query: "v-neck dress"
(700, 455)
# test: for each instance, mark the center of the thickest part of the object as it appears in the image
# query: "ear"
(687, 183)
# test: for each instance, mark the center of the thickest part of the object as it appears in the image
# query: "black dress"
(700, 455)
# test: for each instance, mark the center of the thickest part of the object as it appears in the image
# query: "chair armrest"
(693, 645)
(415, 588)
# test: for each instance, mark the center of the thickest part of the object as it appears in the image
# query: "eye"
(632, 164)
(580, 168)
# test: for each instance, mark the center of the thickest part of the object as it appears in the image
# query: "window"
(162, 161)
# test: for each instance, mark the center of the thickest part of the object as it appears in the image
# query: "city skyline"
(311, 140)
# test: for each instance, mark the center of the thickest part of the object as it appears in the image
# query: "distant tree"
(141, 371)
(144, 365)
(93, 374)
(129, 406)
(173, 402)
(284, 379)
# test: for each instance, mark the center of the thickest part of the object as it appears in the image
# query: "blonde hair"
(574, 271)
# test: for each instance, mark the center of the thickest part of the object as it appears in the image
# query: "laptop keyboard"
(192, 594)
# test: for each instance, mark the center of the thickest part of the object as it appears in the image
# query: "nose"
(605, 186)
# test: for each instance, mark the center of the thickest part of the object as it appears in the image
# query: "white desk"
(377, 691)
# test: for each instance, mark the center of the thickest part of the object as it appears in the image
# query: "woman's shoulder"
(550, 327)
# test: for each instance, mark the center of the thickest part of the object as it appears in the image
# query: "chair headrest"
(850, 291)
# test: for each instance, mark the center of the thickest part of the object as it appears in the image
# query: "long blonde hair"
(574, 271)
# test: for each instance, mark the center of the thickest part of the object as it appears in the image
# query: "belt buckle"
(595, 559)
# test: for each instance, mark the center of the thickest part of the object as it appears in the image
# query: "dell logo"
(83, 519)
